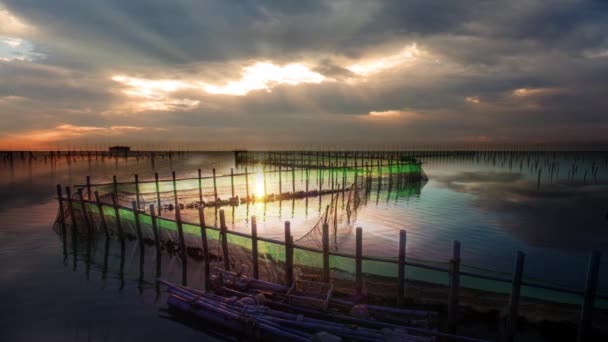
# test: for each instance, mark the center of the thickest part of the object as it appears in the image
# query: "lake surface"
(493, 203)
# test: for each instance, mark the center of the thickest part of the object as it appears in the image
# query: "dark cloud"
(476, 50)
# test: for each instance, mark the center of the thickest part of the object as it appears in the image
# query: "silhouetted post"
(180, 232)
(115, 182)
(157, 192)
(246, 183)
(401, 268)
(117, 216)
(175, 192)
(232, 181)
(200, 187)
(136, 177)
(454, 286)
(61, 212)
(325, 276)
(137, 224)
(102, 215)
(89, 188)
(358, 261)
(254, 247)
(584, 325)
(204, 244)
(293, 180)
(214, 187)
(280, 181)
(224, 240)
(288, 255)
(515, 294)
(155, 228)
(85, 215)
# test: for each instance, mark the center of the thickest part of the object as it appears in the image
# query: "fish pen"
(175, 214)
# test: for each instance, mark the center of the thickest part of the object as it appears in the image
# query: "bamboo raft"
(303, 311)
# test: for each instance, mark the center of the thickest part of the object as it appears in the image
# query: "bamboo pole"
(401, 269)
(137, 224)
(115, 182)
(232, 181)
(61, 212)
(89, 188)
(180, 232)
(155, 229)
(85, 214)
(584, 325)
(102, 215)
(515, 294)
(454, 286)
(137, 191)
(200, 188)
(288, 255)
(204, 244)
(325, 277)
(157, 192)
(254, 247)
(224, 239)
(358, 261)
(214, 187)
(117, 216)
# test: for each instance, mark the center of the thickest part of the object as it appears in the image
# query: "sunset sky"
(301, 74)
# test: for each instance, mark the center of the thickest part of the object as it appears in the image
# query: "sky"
(302, 74)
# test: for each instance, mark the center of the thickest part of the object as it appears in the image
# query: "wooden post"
(115, 181)
(280, 181)
(85, 215)
(358, 261)
(293, 180)
(117, 216)
(401, 268)
(232, 181)
(214, 187)
(137, 224)
(515, 293)
(157, 192)
(204, 244)
(325, 276)
(254, 247)
(137, 191)
(246, 183)
(454, 286)
(288, 255)
(224, 239)
(584, 325)
(175, 192)
(155, 229)
(89, 188)
(61, 212)
(180, 232)
(200, 188)
(102, 215)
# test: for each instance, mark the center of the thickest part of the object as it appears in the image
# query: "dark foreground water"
(493, 203)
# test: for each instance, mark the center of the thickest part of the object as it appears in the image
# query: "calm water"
(493, 203)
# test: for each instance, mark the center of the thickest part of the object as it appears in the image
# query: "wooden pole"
(102, 215)
(584, 325)
(180, 232)
(137, 191)
(224, 240)
(293, 180)
(515, 294)
(204, 244)
(214, 187)
(454, 286)
(280, 181)
(137, 224)
(358, 261)
(246, 183)
(175, 192)
(288, 255)
(115, 181)
(117, 216)
(155, 229)
(157, 192)
(401, 269)
(85, 215)
(200, 188)
(89, 187)
(61, 212)
(254, 247)
(232, 181)
(325, 276)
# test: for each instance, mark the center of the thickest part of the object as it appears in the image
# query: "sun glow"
(375, 65)
(259, 185)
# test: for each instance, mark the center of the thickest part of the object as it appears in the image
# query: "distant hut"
(120, 150)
